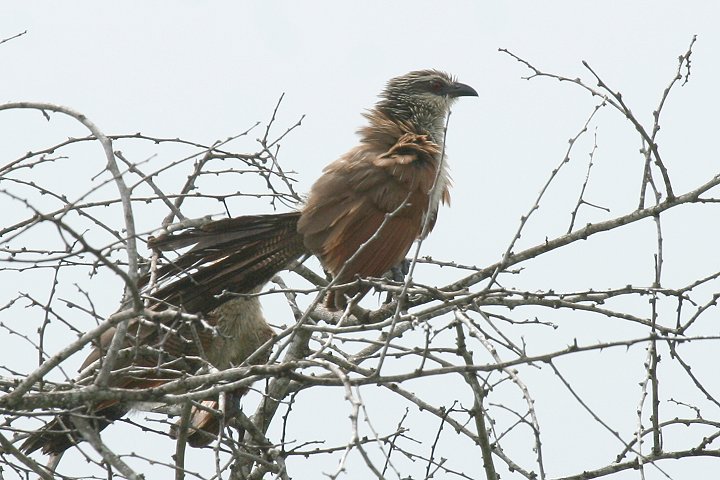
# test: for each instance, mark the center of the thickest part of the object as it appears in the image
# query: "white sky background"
(205, 71)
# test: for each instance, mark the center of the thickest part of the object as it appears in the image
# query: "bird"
(154, 354)
(359, 219)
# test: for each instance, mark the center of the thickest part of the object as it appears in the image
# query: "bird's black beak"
(458, 89)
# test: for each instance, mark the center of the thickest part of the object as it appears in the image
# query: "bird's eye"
(436, 86)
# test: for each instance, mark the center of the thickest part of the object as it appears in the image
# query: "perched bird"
(360, 219)
(155, 354)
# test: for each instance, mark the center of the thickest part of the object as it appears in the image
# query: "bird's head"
(422, 97)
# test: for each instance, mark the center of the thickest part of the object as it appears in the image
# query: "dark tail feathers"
(59, 434)
(234, 254)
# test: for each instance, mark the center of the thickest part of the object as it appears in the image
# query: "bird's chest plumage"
(241, 330)
(374, 198)
(364, 213)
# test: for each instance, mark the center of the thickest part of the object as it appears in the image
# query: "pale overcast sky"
(208, 70)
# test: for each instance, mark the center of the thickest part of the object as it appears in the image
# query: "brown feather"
(157, 355)
(390, 173)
